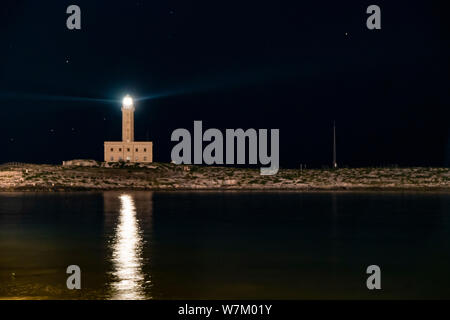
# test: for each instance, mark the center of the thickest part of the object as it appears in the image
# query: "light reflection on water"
(127, 254)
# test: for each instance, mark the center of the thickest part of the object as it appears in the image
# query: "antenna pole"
(334, 145)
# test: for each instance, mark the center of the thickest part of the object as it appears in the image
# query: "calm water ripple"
(224, 245)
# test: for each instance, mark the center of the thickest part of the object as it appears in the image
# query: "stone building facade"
(128, 150)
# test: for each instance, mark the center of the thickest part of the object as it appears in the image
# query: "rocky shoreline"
(96, 176)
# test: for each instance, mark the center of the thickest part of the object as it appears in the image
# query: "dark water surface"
(224, 245)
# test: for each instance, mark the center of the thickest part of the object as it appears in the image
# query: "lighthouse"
(128, 150)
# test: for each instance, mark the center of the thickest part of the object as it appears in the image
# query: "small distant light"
(127, 101)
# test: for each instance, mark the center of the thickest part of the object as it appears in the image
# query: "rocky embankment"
(163, 176)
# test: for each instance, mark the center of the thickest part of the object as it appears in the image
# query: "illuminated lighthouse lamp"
(127, 102)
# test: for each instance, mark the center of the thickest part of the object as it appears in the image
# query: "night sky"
(295, 66)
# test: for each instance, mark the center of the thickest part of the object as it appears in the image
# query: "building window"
(120, 149)
(128, 149)
(145, 158)
(112, 149)
(137, 158)
(120, 158)
(137, 150)
(112, 158)
(145, 149)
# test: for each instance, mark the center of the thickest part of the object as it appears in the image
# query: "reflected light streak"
(127, 254)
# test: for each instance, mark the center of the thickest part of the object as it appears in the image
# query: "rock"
(81, 163)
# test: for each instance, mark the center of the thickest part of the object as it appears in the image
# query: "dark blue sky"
(295, 66)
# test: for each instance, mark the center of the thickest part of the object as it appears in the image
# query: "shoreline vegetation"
(90, 175)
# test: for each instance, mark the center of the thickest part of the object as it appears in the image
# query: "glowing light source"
(127, 102)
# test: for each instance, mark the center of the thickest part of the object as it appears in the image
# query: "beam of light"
(226, 80)
(203, 85)
(165, 94)
(127, 254)
(219, 81)
(46, 97)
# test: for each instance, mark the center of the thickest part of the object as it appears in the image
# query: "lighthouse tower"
(127, 119)
(128, 150)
